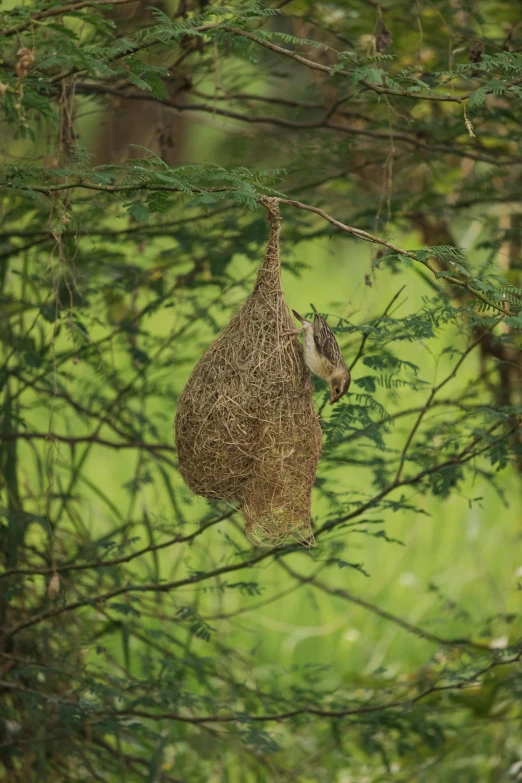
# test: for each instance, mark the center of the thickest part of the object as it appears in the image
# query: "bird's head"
(339, 383)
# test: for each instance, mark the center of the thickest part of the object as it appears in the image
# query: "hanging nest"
(246, 428)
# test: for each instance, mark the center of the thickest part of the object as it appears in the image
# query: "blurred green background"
(100, 330)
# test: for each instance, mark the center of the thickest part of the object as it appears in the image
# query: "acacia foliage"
(373, 123)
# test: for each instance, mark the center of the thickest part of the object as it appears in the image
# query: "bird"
(323, 356)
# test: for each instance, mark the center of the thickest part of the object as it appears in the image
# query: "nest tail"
(246, 428)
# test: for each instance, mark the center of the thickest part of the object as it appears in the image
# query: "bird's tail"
(299, 317)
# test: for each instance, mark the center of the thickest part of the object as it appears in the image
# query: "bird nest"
(245, 427)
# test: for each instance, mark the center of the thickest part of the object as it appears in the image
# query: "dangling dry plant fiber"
(246, 428)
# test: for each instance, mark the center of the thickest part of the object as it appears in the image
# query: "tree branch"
(406, 626)
(464, 456)
(179, 539)
(367, 237)
(63, 9)
(467, 682)
(323, 123)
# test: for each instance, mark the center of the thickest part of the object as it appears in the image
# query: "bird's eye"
(337, 390)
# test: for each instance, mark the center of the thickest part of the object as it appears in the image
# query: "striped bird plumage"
(326, 342)
(323, 356)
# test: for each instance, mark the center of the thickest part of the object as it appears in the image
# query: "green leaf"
(478, 97)
(48, 312)
(138, 211)
(515, 321)
(157, 201)
(367, 382)
(375, 362)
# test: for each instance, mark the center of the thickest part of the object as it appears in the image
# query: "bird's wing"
(325, 341)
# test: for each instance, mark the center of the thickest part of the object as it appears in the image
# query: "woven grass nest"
(246, 428)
